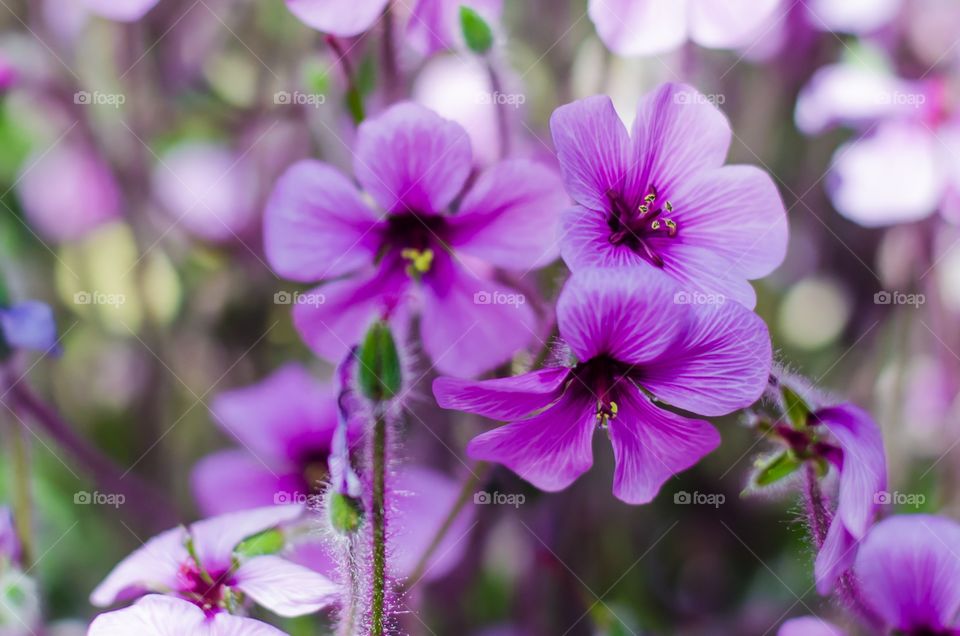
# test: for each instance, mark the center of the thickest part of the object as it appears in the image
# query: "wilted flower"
(661, 198)
(414, 252)
(635, 347)
(199, 564)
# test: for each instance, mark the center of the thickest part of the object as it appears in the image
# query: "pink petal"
(152, 567)
(471, 325)
(809, 626)
(549, 450)
(593, 149)
(510, 216)
(631, 318)
(502, 398)
(650, 445)
(836, 556)
(852, 16)
(316, 226)
(216, 538)
(703, 275)
(340, 17)
(157, 615)
(720, 363)
(233, 480)
(640, 27)
(728, 24)
(585, 242)
(411, 159)
(285, 588)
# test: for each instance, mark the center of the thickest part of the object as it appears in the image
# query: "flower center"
(636, 227)
(314, 470)
(414, 238)
(603, 377)
(206, 590)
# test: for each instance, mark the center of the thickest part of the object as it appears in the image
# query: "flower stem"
(22, 508)
(391, 71)
(818, 517)
(501, 108)
(379, 521)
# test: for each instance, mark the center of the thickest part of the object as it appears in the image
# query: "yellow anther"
(671, 226)
(606, 412)
(655, 225)
(420, 260)
(644, 209)
(613, 409)
(668, 206)
(650, 198)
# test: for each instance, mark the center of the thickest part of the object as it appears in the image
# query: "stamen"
(671, 227)
(606, 412)
(420, 260)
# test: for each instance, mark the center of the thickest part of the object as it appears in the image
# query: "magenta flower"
(809, 626)
(635, 347)
(661, 198)
(649, 27)
(401, 247)
(285, 425)
(28, 325)
(908, 569)
(157, 615)
(855, 449)
(199, 564)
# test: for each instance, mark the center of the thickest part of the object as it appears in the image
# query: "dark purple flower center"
(414, 238)
(206, 590)
(314, 469)
(604, 378)
(636, 226)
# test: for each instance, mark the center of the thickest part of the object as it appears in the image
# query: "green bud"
(797, 409)
(346, 513)
(379, 370)
(476, 32)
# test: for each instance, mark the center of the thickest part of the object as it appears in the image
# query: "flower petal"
(852, 16)
(719, 364)
(703, 275)
(215, 539)
(677, 133)
(640, 27)
(650, 445)
(585, 242)
(276, 417)
(29, 325)
(509, 217)
(809, 626)
(233, 480)
(836, 556)
(470, 325)
(549, 450)
(735, 212)
(157, 615)
(631, 318)
(593, 149)
(411, 159)
(502, 398)
(340, 17)
(120, 10)
(152, 567)
(728, 24)
(285, 588)
(908, 570)
(316, 226)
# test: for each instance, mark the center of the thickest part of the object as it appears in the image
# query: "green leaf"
(476, 31)
(797, 410)
(782, 465)
(267, 542)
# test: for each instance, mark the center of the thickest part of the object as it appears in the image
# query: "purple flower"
(855, 449)
(157, 615)
(28, 325)
(635, 347)
(285, 425)
(908, 568)
(661, 198)
(199, 564)
(120, 10)
(809, 626)
(402, 248)
(649, 27)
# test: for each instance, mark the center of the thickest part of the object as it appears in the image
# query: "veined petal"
(316, 226)
(701, 273)
(157, 615)
(411, 159)
(650, 445)
(151, 568)
(640, 27)
(585, 242)
(340, 17)
(631, 318)
(285, 588)
(215, 539)
(502, 398)
(719, 364)
(510, 216)
(593, 149)
(908, 570)
(549, 450)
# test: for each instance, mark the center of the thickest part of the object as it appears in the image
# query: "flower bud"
(345, 512)
(379, 371)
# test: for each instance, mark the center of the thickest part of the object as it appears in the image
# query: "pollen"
(606, 412)
(420, 260)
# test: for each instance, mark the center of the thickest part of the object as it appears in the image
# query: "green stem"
(379, 523)
(22, 509)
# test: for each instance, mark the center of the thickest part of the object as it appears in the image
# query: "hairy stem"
(379, 520)
(818, 517)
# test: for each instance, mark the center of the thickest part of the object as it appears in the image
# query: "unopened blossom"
(908, 570)
(660, 198)
(908, 133)
(416, 240)
(635, 348)
(809, 626)
(434, 25)
(649, 27)
(28, 325)
(120, 10)
(158, 615)
(199, 563)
